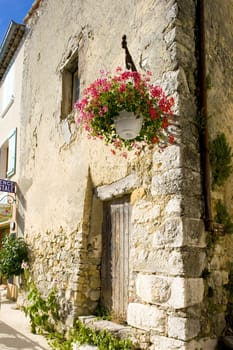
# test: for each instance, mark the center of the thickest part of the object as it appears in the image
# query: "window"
(70, 85)
(8, 156)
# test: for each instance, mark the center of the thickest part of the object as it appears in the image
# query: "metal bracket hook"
(128, 58)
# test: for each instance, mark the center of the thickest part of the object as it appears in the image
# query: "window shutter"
(11, 153)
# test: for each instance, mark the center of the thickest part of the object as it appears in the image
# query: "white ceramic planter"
(128, 125)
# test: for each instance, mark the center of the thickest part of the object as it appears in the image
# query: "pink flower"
(153, 113)
(156, 91)
(124, 155)
(118, 69)
(122, 87)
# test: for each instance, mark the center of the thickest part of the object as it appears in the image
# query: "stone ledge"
(118, 188)
(119, 331)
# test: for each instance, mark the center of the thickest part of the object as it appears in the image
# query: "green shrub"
(14, 251)
(220, 160)
(82, 334)
(222, 217)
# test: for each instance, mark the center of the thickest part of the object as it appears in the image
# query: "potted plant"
(131, 94)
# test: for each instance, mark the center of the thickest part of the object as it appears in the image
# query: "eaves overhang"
(10, 44)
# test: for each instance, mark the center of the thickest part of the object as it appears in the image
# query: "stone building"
(130, 233)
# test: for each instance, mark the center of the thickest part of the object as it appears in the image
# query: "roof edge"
(10, 42)
(33, 8)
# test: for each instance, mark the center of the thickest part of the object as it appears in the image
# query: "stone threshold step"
(119, 331)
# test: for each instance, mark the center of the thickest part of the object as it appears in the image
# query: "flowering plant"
(107, 96)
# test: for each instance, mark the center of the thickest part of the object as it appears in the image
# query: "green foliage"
(229, 286)
(222, 217)
(211, 239)
(43, 313)
(229, 289)
(14, 251)
(82, 334)
(220, 160)
(44, 317)
(102, 312)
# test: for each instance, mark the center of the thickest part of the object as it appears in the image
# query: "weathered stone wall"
(61, 169)
(218, 23)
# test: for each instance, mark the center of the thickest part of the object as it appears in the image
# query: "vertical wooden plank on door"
(115, 262)
(106, 277)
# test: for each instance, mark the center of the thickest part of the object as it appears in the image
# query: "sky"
(14, 10)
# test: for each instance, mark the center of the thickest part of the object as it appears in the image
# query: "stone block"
(194, 261)
(194, 232)
(186, 292)
(169, 260)
(144, 211)
(202, 344)
(170, 233)
(178, 232)
(153, 289)
(170, 158)
(137, 194)
(169, 182)
(183, 328)
(162, 343)
(174, 206)
(146, 317)
(162, 260)
(175, 292)
(191, 184)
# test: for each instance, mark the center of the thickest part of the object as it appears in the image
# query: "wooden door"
(115, 257)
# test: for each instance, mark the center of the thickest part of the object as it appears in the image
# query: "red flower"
(171, 139)
(153, 113)
(155, 140)
(165, 123)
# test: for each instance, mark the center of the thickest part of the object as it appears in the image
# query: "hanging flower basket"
(128, 125)
(127, 93)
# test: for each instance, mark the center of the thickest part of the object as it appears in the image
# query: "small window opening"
(70, 86)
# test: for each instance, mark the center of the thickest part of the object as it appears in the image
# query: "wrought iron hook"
(128, 58)
(10, 199)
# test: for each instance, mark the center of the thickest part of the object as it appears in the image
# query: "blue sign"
(7, 186)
